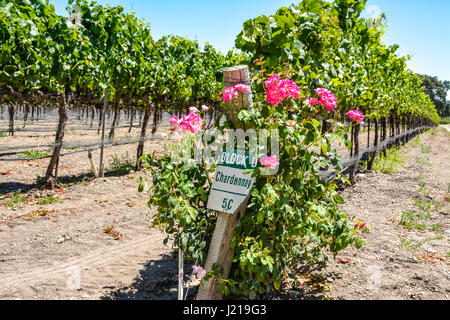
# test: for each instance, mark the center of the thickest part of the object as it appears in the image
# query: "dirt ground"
(53, 244)
(384, 269)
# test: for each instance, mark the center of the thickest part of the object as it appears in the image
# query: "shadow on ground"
(63, 181)
(158, 280)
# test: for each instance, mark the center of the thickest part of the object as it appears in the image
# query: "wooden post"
(180, 274)
(91, 160)
(102, 171)
(220, 252)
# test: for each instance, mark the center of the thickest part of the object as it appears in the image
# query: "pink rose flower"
(329, 101)
(242, 87)
(274, 96)
(174, 120)
(322, 91)
(360, 226)
(191, 122)
(193, 110)
(313, 101)
(277, 89)
(356, 115)
(272, 81)
(269, 161)
(327, 98)
(289, 88)
(229, 94)
(199, 272)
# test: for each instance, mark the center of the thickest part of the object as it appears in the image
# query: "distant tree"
(437, 90)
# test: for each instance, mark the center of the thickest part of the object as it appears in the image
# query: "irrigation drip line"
(329, 174)
(349, 161)
(89, 148)
(68, 145)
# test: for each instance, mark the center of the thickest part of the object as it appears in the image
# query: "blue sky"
(420, 27)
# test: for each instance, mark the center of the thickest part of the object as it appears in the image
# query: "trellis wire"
(352, 160)
(91, 147)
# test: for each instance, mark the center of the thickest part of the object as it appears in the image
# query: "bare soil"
(384, 269)
(44, 247)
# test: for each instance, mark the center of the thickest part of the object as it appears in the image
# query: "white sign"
(231, 186)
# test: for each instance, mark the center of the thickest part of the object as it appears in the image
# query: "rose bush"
(291, 216)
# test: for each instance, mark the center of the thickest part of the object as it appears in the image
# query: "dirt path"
(33, 265)
(385, 269)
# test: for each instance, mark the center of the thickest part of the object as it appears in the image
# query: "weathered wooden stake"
(220, 252)
(91, 160)
(102, 171)
(180, 274)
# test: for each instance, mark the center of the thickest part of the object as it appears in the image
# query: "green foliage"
(104, 47)
(16, 200)
(432, 132)
(121, 164)
(179, 191)
(423, 189)
(413, 245)
(416, 142)
(437, 90)
(423, 161)
(34, 154)
(426, 206)
(71, 182)
(329, 45)
(412, 219)
(49, 200)
(390, 164)
(291, 215)
(419, 219)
